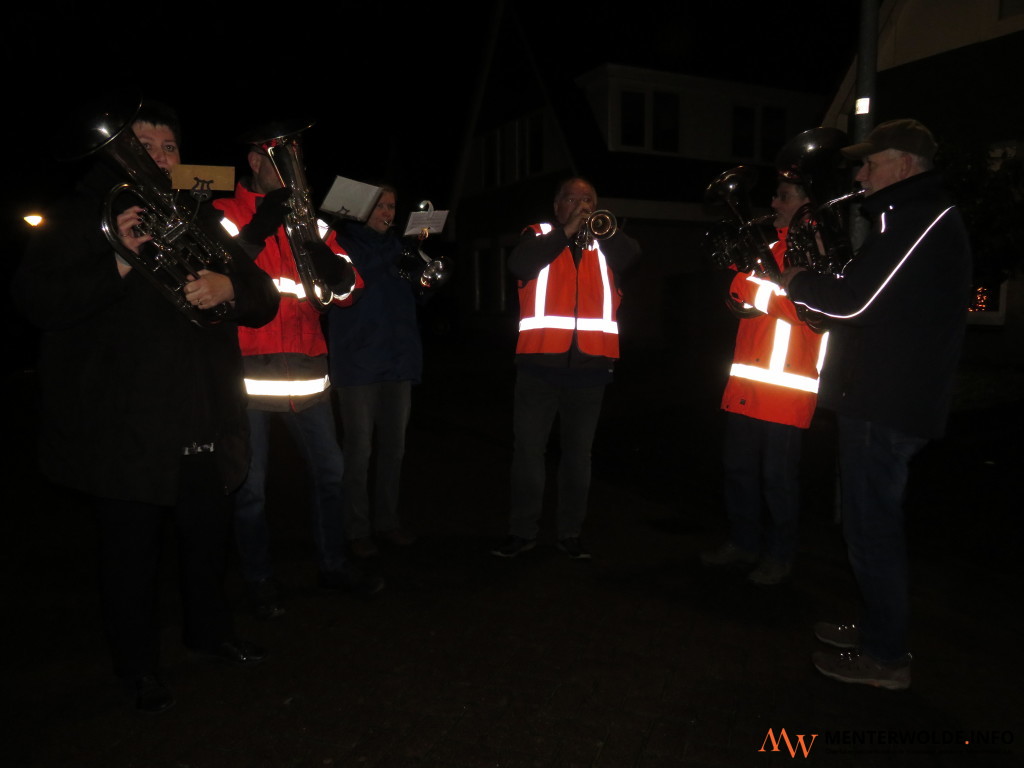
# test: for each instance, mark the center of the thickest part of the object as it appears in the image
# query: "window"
(632, 128)
(665, 122)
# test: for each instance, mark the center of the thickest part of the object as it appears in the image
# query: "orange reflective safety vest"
(774, 374)
(565, 299)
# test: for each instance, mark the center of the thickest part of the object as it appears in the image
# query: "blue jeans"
(762, 473)
(537, 403)
(373, 413)
(314, 432)
(873, 472)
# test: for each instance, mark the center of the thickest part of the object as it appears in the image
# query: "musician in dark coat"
(143, 410)
(898, 316)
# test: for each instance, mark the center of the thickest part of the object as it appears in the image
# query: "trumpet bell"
(601, 225)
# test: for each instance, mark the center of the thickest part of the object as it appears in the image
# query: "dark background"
(390, 86)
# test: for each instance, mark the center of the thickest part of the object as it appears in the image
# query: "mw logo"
(792, 747)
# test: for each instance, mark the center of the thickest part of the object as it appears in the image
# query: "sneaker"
(838, 635)
(856, 667)
(574, 548)
(728, 554)
(514, 545)
(363, 547)
(265, 599)
(770, 572)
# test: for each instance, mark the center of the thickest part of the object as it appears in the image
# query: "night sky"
(389, 86)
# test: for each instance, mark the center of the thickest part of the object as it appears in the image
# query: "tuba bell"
(284, 148)
(179, 248)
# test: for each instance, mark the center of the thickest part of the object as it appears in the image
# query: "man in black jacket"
(143, 406)
(898, 317)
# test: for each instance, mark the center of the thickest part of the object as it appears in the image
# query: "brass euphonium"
(300, 225)
(818, 238)
(739, 241)
(819, 232)
(179, 248)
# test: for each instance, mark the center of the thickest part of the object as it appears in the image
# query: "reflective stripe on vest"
(776, 373)
(276, 388)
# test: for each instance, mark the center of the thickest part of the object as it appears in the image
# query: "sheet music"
(350, 199)
(203, 178)
(432, 221)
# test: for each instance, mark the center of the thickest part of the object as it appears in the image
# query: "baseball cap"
(906, 135)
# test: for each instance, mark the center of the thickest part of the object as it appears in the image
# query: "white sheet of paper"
(432, 221)
(350, 199)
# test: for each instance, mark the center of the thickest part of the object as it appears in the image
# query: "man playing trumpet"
(569, 293)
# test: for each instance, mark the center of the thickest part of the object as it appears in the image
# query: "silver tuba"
(740, 240)
(284, 148)
(179, 249)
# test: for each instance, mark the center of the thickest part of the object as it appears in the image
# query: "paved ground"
(637, 658)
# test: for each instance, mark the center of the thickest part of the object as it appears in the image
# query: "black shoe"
(351, 579)
(151, 695)
(573, 547)
(514, 545)
(238, 652)
(265, 599)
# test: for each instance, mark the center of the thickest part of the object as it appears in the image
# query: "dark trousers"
(374, 420)
(314, 433)
(873, 462)
(537, 403)
(762, 485)
(131, 535)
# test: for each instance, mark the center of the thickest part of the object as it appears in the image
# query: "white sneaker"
(838, 635)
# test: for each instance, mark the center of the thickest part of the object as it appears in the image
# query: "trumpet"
(432, 273)
(597, 225)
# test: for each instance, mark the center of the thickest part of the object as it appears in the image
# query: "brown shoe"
(363, 547)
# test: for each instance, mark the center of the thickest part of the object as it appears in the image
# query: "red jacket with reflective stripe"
(296, 327)
(774, 375)
(564, 299)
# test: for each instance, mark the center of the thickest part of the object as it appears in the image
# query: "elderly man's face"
(161, 144)
(883, 169)
(786, 201)
(573, 195)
